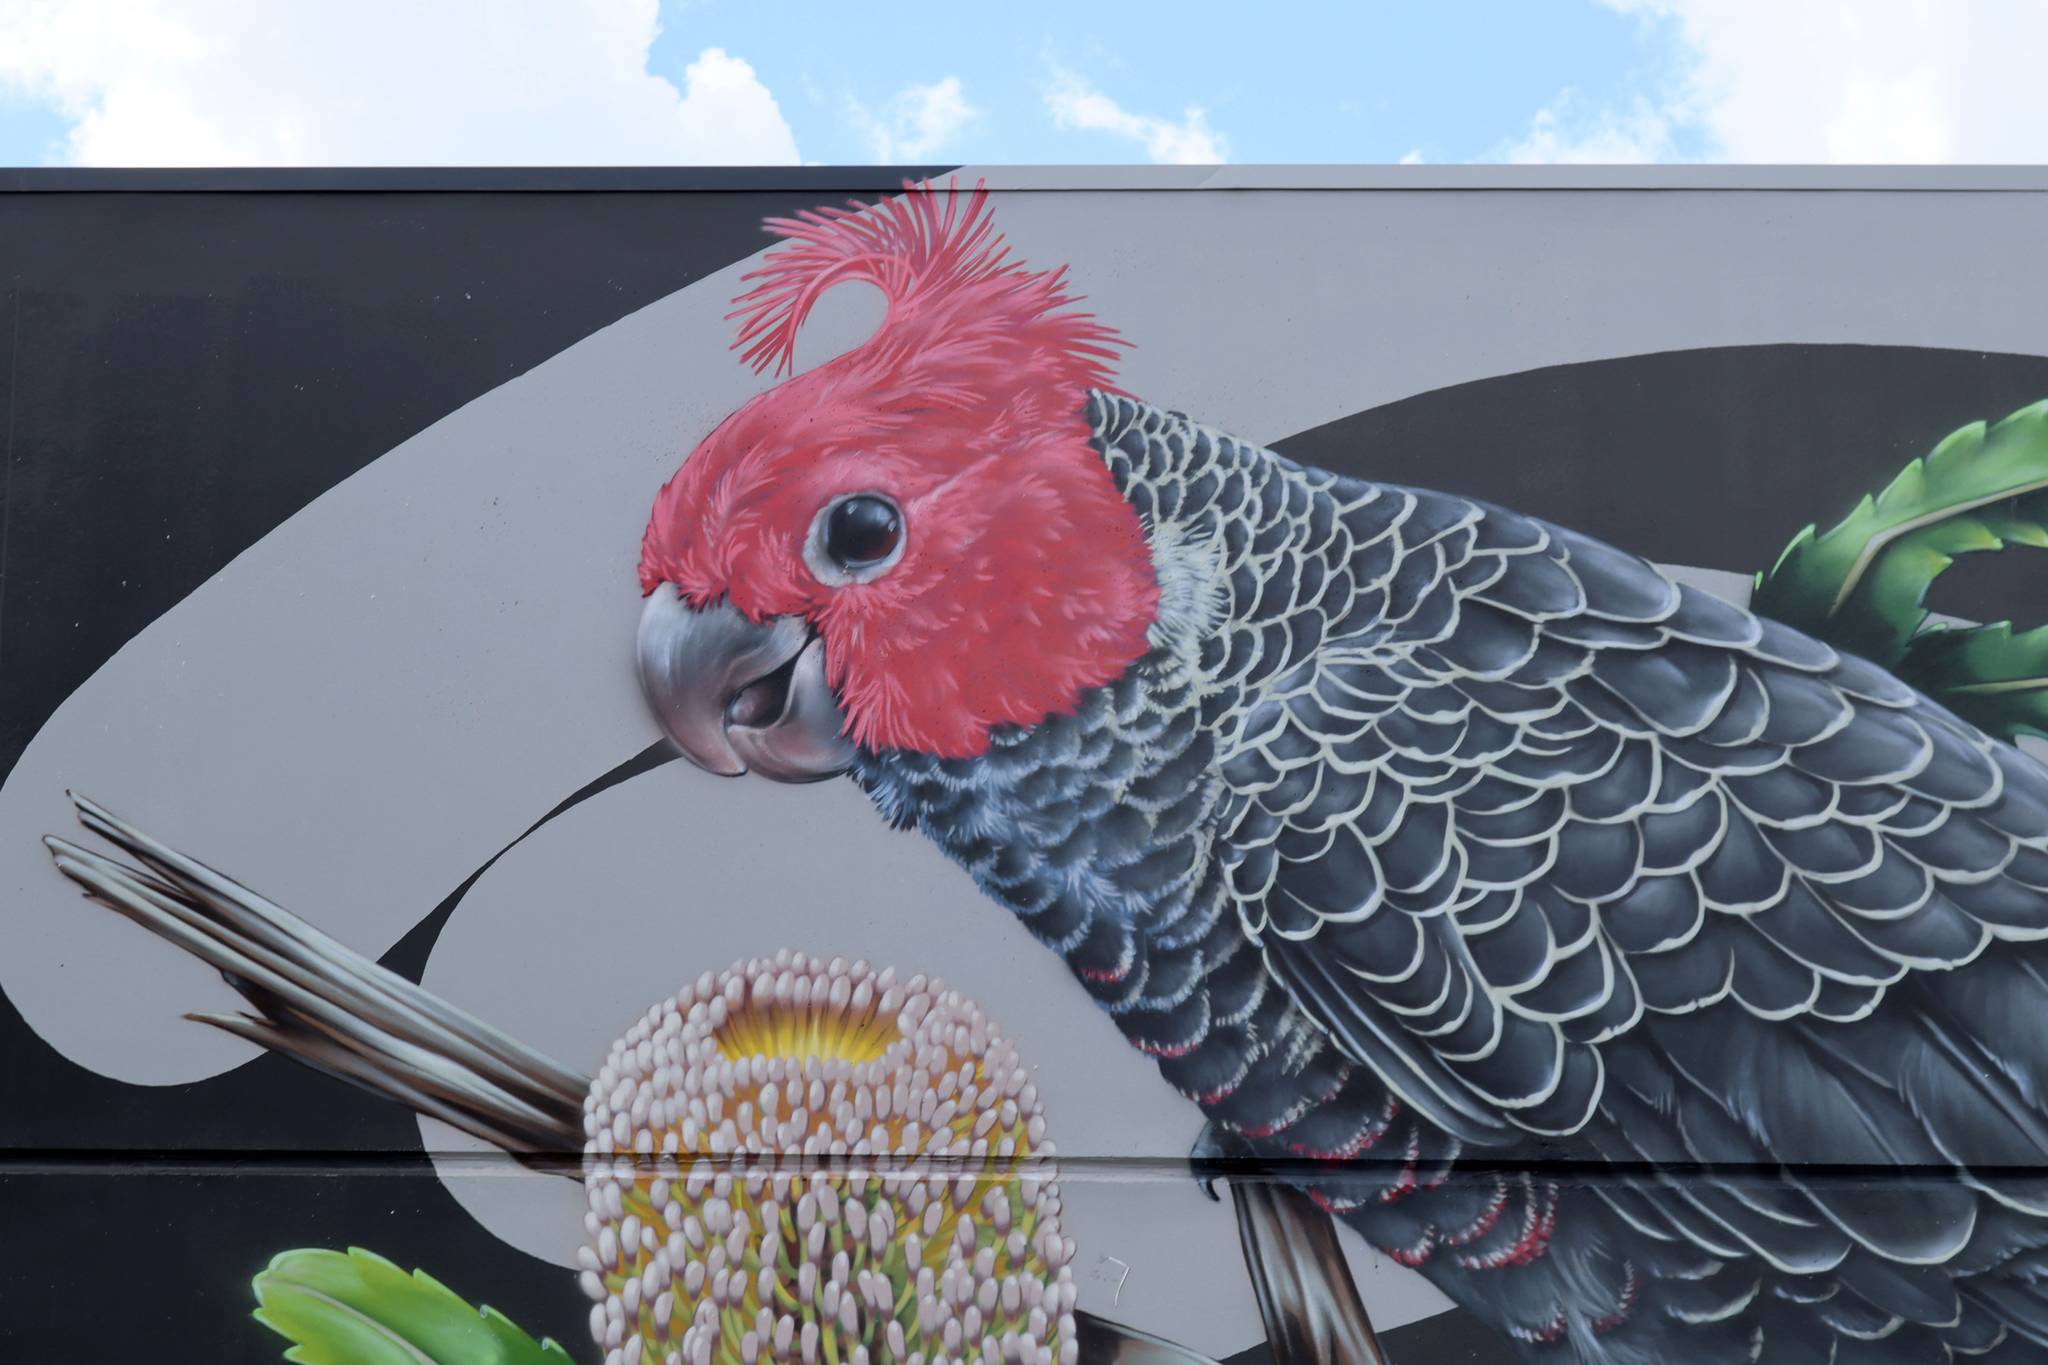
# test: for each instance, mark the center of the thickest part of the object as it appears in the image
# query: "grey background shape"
(465, 605)
(1121, 1129)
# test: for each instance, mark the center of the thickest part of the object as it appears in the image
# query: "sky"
(607, 82)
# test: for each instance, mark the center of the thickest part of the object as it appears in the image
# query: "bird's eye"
(863, 531)
(856, 538)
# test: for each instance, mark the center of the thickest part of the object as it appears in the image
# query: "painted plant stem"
(314, 999)
(1306, 1295)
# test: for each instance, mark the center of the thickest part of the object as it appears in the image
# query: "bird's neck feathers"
(1170, 470)
(1104, 828)
(1221, 520)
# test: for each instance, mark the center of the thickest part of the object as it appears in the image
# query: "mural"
(1394, 823)
(1638, 957)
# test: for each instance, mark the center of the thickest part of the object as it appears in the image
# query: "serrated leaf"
(356, 1308)
(1862, 585)
(1888, 607)
(1992, 676)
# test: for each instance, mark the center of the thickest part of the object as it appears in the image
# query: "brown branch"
(1306, 1295)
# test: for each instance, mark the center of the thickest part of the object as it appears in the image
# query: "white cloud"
(1829, 81)
(1565, 133)
(1414, 157)
(1191, 141)
(380, 82)
(919, 121)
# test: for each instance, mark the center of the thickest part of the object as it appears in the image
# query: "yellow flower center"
(774, 1029)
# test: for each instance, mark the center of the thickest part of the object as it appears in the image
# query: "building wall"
(323, 506)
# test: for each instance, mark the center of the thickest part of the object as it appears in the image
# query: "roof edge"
(883, 179)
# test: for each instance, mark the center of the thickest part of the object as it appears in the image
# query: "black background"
(179, 372)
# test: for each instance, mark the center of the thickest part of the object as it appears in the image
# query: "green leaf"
(356, 1308)
(1862, 586)
(1993, 676)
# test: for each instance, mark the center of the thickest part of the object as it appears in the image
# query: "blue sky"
(340, 82)
(1302, 82)
(30, 130)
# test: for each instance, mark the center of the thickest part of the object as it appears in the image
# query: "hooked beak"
(737, 695)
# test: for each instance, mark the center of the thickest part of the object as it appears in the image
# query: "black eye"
(863, 531)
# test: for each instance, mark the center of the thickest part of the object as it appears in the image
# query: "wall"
(322, 512)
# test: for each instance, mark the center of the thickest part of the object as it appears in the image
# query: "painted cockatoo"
(1656, 979)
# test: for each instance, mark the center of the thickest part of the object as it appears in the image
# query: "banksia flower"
(813, 1161)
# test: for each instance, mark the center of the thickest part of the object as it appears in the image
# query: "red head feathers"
(1020, 578)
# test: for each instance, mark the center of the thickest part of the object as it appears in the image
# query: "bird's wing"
(1528, 801)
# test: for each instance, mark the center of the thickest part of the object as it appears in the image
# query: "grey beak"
(737, 695)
